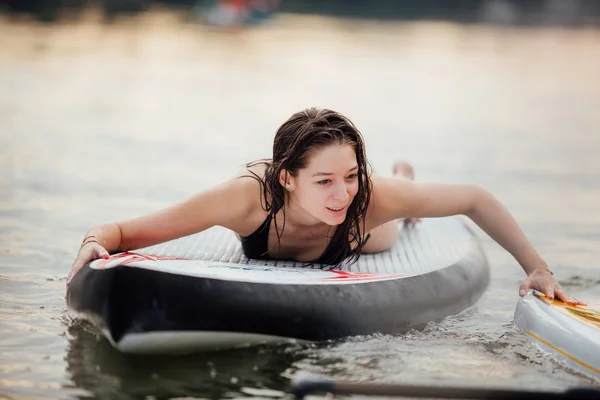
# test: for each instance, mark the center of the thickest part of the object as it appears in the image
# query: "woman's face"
(326, 187)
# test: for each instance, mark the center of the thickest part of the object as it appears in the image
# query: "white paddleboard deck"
(216, 253)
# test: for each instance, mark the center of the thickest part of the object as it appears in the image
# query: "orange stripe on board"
(596, 370)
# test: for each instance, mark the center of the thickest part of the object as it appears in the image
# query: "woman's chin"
(334, 221)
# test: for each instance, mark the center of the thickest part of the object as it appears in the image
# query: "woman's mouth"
(336, 211)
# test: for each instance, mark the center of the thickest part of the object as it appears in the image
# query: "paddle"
(303, 385)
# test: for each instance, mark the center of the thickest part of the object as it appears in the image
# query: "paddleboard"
(570, 333)
(200, 292)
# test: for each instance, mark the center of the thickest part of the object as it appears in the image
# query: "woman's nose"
(340, 192)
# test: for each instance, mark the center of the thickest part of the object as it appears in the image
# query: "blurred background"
(514, 12)
(111, 109)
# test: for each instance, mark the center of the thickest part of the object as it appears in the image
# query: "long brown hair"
(295, 141)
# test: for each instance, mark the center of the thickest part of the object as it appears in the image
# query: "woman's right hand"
(90, 250)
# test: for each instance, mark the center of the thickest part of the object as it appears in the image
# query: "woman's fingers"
(541, 281)
(543, 284)
(523, 291)
(88, 253)
(71, 275)
(561, 294)
(549, 287)
(548, 290)
(79, 262)
(525, 287)
(102, 253)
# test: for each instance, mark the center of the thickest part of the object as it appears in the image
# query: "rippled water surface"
(103, 122)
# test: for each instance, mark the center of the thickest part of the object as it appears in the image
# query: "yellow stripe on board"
(583, 314)
(596, 370)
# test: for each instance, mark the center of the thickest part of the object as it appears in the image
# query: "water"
(104, 122)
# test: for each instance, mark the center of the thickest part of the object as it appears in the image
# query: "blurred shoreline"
(533, 13)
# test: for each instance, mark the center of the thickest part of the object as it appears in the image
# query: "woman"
(316, 201)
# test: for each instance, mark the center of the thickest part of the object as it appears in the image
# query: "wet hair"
(295, 142)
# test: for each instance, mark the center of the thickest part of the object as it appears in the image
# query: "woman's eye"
(324, 182)
(352, 176)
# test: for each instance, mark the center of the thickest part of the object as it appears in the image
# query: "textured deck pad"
(430, 245)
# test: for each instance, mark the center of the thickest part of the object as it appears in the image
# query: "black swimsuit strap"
(256, 245)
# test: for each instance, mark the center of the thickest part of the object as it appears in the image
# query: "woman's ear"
(287, 180)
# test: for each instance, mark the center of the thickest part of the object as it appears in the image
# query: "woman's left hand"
(542, 280)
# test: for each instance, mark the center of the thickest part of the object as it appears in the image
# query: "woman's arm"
(398, 198)
(228, 204)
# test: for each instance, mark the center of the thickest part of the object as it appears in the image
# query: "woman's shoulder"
(250, 183)
(255, 169)
(253, 177)
(386, 193)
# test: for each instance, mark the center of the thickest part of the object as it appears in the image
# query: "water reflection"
(94, 365)
(418, 357)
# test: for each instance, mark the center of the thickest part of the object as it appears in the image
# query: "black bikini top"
(256, 246)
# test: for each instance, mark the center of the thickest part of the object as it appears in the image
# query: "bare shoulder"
(253, 171)
(250, 179)
(249, 182)
(386, 198)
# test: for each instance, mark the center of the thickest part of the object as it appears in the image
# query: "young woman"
(316, 201)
